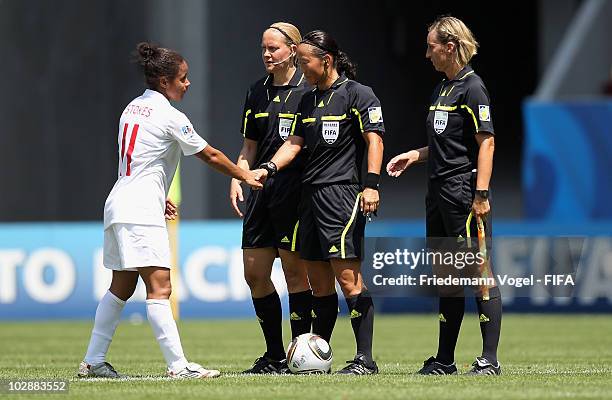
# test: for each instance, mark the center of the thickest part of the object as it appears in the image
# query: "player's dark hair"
(157, 62)
(323, 44)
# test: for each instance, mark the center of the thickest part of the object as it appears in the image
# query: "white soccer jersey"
(152, 134)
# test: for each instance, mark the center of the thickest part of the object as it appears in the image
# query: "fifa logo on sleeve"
(483, 113)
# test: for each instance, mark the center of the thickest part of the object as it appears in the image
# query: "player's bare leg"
(361, 309)
(159, 313)
(107, 318)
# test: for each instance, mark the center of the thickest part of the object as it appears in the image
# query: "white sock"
(166, 333)
(105, 324)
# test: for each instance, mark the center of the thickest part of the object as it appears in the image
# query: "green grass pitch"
(542, 356)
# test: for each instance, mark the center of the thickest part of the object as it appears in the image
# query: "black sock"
(361, 309)
(300, 312)
(324, 315)
(490, 316)
(451, 316)
(270, 316)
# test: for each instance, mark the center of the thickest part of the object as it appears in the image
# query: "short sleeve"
(182, 131)
(367, 109)
(297, 128)
(247, 127)
(478, 106)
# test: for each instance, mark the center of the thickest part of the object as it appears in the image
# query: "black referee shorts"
(271, 217)
(331, 222)
(448, 207)
(451, 226)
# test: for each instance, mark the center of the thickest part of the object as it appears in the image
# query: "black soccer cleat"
(265, 365)
(433, 367)
(359, 366)
(482, 366)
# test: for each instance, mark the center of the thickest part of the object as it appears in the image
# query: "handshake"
(257, 177)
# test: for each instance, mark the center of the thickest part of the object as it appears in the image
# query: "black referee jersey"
(332, 122)
(268, 115)
(459, 109)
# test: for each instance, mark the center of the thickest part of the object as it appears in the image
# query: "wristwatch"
(483, 194)
(270, 167)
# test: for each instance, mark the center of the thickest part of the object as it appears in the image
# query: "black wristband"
(270, 167)
(371, 180)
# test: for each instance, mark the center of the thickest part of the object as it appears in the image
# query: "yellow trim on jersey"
(347, 227)
(330, 96)
(266, 81)
(441, 88)
(443, 108)
(281, 115)
(307, 120)
(261, 115)
(246, 116)
(301, 79)
(294, 238)
(469, 73)
(344, 81)
(354, 110)
(291, 91)
(473, 116)
(293, 124)
(333, 117)
(449, 92)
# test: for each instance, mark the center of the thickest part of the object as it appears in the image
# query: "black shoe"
(265, 365)
(359, 366)
(482, 366)
(433, 367)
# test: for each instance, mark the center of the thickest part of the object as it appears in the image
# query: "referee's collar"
(296, 80)
(341, 79)
(463, 73)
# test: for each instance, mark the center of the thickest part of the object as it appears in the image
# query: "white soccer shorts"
(130, 246)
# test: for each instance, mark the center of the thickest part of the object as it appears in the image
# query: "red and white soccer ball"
(309, 354)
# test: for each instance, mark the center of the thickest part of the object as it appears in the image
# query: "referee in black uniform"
(337, 123)
(460, 162)
(271, 217)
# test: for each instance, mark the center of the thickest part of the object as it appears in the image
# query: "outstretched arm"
(400, 162)
(216, 159)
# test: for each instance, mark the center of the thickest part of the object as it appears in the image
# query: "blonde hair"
(451, 29)
(290, 32)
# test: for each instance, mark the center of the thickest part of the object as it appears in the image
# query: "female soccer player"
(152, 135)
(339, 122)
(271, 220)
(460, 162)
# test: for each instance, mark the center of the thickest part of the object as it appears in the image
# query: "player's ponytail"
(346, 66)
(145, 52)
(323, 43)
(157, 62)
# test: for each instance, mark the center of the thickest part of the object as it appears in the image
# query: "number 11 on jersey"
(126, 159)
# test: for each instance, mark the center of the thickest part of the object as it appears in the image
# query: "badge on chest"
(284, 127)
(440, 121)
(330, 131)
